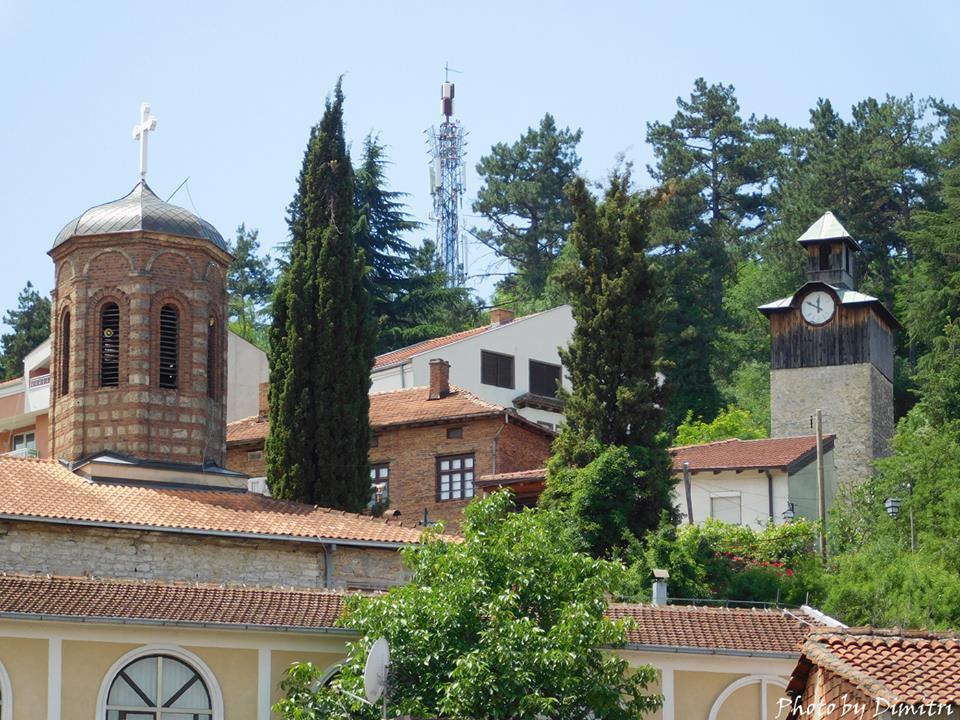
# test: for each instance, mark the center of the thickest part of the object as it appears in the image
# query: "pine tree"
(382, 221)
(29, 326)
(250, 282)
(321, 342)
(522, 198)
(711, 170)
(610, 464)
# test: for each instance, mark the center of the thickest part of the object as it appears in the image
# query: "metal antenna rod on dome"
(147, 124)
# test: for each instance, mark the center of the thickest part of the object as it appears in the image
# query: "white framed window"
(6, 695)
(380, 481)
(159, 682)
(455, 477)
(25, 444)
(726, 506)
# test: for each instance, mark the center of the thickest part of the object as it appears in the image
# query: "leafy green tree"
(29, 326)
(713, 176)
(322, 339)
(930, 294)
(250, 282)
(733, 422)
(612, 364)
(522, 198)
(508, 624)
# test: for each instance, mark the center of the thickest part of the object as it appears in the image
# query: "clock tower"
(831, 348)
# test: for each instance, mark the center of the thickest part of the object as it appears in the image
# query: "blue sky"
(236, 87)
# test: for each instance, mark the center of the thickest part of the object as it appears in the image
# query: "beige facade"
(717, 687)
(62, 670)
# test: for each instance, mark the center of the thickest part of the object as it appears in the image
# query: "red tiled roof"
(249, 429)
(131, 600)
(392, 408)
(45, 489)
(912, 667)
(671, 626)
(398, 356)
(744, 454)
(733, 630)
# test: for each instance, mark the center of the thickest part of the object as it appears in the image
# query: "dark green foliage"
(930, 293)
(712, 171)
(717, 561)
(29, 326)
(321, 342)
(613, 411)
(250, 281)
(522, 198)
(508, 624)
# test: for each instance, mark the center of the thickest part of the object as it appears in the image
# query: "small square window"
(454, 433)
(726, 508)
(375, 441)
(455, 477)
(496, 369)
(255, 455)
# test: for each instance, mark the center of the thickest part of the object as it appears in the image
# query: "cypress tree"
(321, 342)
(610, 464)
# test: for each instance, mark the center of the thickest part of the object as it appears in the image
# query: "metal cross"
(147, 124)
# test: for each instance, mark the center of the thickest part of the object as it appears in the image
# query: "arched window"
(158, 687)
(6, 695)
(169, 342)
(110, 345)
(212, 358)
(64, 384)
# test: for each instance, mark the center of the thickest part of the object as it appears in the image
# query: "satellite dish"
(375, 670)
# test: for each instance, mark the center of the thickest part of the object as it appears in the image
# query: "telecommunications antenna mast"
(447, 186)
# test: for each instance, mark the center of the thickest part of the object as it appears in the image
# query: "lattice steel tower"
(447, 187)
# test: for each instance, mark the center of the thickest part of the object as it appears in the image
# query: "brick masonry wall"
(140, 272)
(857, 405)
(833, 698)
(248, 459)
(412, 453)
(127, 554)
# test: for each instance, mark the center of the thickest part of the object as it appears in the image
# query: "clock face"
(818, 307)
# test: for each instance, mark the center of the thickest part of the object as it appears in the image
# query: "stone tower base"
(857, 406)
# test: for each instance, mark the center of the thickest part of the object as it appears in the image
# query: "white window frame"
(764, 681)
(6, 695)
(174, 651)
(24, 434)
(726, 495)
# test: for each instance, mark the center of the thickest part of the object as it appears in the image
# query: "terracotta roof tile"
(914, 667)
(169, 602)
(32, 488)
(723, 629)
(508, 477)
(409, 406)
(744, 454)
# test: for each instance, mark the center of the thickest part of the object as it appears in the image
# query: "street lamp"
(892, 506)
(790, 513)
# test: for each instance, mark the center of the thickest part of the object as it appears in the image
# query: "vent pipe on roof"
(439, 379)
(659, 595)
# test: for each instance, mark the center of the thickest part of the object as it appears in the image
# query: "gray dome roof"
(140, 210)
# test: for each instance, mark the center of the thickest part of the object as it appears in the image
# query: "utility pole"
(686, 488)
(821, 492)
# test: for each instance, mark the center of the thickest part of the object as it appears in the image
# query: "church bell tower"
(139, 339)
(832, 349)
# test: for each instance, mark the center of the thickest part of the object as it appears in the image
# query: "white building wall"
(535, 337)
(246, 368)
(750, 486)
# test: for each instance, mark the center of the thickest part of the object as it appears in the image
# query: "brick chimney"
(264, 405)
(501, 316)
(439, 379)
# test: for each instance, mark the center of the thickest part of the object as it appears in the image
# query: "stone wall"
(857, 405)
(41, 548)
(140, 272)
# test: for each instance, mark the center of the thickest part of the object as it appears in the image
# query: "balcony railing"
(39, 381)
